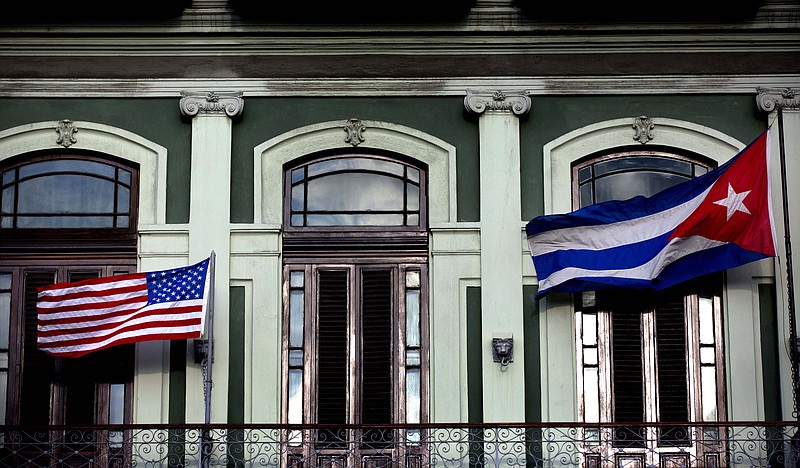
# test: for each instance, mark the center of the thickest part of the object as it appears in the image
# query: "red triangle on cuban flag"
(737, 207)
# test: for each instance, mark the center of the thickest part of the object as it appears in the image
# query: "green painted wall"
(236, 355)
(533, 372)
(474, 360)
(442, 117)
(769, 351)
(553, 116)
(158, 120)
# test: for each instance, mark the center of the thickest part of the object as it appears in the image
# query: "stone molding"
(770, 99)
(194, 103)
(497, 101)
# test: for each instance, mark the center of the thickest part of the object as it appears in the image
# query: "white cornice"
(293, 45)
(533, 85)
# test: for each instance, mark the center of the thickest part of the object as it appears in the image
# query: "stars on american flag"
(178, 284)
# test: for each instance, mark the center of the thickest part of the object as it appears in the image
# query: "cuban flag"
(720, 220)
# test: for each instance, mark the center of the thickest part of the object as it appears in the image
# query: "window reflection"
(624, 175)
(65, 193)
(355, 191)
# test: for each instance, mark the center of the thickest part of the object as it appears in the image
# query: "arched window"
(355, 190)
(64, 216)
(648, 356)
(355, 308)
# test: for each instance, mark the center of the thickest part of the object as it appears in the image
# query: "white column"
(501, 259)
(770, 100)
(209, 229)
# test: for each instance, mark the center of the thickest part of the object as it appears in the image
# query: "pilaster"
(787, 100)
(500, 257)
(209, 230)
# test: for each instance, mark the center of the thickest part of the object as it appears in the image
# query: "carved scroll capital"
(66, 130)
(193, 103)
(769, 99)
(498, 101)
(643, 129)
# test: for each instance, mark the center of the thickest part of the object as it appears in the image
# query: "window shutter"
(332, 347)
(671, 358)
(627, 370)
(376, 327)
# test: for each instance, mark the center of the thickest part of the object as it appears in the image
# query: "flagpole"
(210, 337)
(793, 351)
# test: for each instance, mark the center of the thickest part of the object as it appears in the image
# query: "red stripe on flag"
(85, 316)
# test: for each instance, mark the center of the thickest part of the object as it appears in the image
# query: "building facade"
(363, 177)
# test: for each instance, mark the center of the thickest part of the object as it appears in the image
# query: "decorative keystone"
(66, 130)
(643, 127)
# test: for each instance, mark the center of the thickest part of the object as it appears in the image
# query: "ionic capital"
(498, 101)
(770, 99)
(193, 103)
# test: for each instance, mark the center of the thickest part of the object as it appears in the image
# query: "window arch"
(355, 315)
(356, 190)
(65, 215)
(68, 191)
(648, 357)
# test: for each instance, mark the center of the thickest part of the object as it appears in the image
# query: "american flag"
(94, 314)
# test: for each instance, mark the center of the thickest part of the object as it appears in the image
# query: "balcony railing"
(731, 444)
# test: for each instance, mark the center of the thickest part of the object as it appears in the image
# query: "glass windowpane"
(8, 200)
(122, 221)
(6, 221)
(298, 197)
(5, 281)
(584, 174)
(706, 313)
(707, 355)
(412, 317)
(708, 378)
(125, 177)
(412, 220)
(297, 220)
(66, 194)
(413, 197)
(590, 356)
(413, 174)
(591, 394)
(639, 163)
(295, 357)
(412, 279)
(295, 410)
(630, 184)
(8, 176)
(586, 197)
(412, 396)
(32, 222)
(590, 329)
(123, 199)
(297, 279)
(355, 164)
(413, 357)
(116, 414)
(354, 220)
(5, 316)
(296, 317)
(3, 394)
(67, 165)
(355, 192)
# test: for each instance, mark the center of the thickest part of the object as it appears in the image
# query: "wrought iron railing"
(731, 444)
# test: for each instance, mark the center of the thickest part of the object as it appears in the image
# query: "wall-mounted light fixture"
(503, 350)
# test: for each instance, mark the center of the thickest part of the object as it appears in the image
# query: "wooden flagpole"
(793, 351)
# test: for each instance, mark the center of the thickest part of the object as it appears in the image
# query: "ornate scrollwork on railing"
(425, 445)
